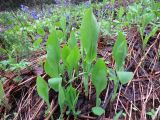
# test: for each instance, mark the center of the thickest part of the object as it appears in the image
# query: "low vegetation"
(89, 60)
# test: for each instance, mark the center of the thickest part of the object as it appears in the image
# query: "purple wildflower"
(34, 15)
(58, 1)
(24, 8)
(87, 4)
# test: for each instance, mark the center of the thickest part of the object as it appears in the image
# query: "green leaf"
(98, 111)
(63, 23)
(145, 41)
(73, 58)
(60, 35)
(120, 13)
(89, 32)
(53, 55)
(117, 115)
(61, 97)
(70, 58)
(41, 31)
(124, 77)
(54, 83)
(147, 18)
(71, 98)
(65, 53)
(72, 42)
(120, 51)
(37, 43)
(99, 79)
(42, 89)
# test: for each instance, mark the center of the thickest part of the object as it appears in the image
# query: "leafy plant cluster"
(141, 14)
(69, 60)
(81, 63)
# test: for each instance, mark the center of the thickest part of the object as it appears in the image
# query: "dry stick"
(124, 107)
(90, 89)
(106, 101)
(130, 113)
(144, 58)
(118, 99)
(51, 112)
(24, 103)
(28, 80)
(29, 95)
(38, 109)
(132, 103)
(87, 117)
(146, 53)
(142, 115)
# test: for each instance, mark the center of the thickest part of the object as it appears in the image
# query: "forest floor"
(135, 99)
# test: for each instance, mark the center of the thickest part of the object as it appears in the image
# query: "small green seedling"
(71, 99)
(70, 58)
(151, 113)
(99, 80)
(119, 53)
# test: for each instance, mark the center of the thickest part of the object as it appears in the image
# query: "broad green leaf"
(53, 55)
(124, 77)
(54, 83)
(72, 42)
(65, 53)
(120, 51)
(98, 111)
(89, 32)
(42, 89)
(73, 58)
(41, 31)
(99, 79)
(2, 94)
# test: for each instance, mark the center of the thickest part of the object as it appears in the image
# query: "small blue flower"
(58, 1)
(24, 8)
(34, 15)
(50, 11)
(67, 17)
(87, 4)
